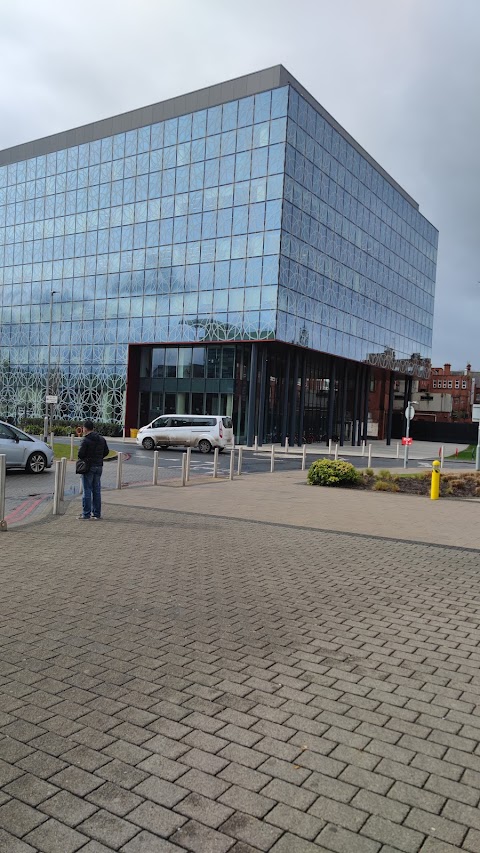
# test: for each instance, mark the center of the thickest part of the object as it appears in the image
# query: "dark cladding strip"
(211, 96)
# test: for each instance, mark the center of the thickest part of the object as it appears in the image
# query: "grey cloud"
(401, 76)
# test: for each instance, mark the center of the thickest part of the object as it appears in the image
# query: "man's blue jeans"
(92, 498)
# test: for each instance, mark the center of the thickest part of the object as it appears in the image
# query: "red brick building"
(459, 384)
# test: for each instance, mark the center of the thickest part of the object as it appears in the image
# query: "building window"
(449, 383)
(444, 383)
(464, 384)
(457, 383)
(434, 383)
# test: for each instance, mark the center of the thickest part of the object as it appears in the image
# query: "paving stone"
(19, 818)
(30, 790)
(247, 801)
(160, 791)
(328, 787)
(376, 804)
(55, 837)
(343, 841)
(114, 799)
(13, 750)
(86, 758)
(156, 819)
(8, 773)
(76, 780)
(67, 808)
(253, 831)
(158, 765)
(398, 836)
(284, 817)
(108, 829)
(203, 783)
(122, 774)
(416, 797)
(244, 776)
(9, 844)
(145, 842)
(207, 811)
(204, 761)
(293, 844)
(436, 826)
(331, 811)
(292, 795)
(472, 841)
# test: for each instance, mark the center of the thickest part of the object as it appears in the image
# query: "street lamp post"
(46, 423)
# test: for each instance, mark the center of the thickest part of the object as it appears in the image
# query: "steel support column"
(344, 405)
(356, 381)
(293, 404)
(331, 400)
(391, 393)
(302, 401)
(262, 401)
(252, 395)
(365, 403)
(285, 399)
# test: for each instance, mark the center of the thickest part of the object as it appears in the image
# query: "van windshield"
(227, 423)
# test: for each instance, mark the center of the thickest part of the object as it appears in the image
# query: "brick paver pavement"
(174, 682)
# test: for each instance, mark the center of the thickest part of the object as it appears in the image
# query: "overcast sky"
(402, 76)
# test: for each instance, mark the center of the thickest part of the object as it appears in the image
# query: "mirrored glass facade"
(250, 220)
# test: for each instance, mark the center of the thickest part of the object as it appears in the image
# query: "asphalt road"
(27, 493)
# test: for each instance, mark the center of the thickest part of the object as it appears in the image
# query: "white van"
(202, 431)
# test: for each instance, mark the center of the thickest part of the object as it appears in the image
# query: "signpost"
(475, 418)
(51, 399)
(409, 414)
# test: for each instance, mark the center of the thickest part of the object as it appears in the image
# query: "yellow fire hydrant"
(435, 486)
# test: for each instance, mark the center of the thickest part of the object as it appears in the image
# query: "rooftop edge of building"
(210, 96)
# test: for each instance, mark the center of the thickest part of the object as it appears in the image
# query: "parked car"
(24, 451)
(202, 431)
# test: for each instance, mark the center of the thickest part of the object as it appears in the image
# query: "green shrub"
(385, 486)
(329, 472)
(384, 474)
(34, 426)
(369, 472)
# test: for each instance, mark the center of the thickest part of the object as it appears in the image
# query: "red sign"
(407, 440)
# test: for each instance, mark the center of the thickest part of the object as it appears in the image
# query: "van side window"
(181, 422)
(227, 423)
(161, 422)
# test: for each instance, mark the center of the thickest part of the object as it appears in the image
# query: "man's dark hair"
(88, 424)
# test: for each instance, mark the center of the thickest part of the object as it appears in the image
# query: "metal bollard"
(304, 457)
(72, 436)
(215, 463)
(184, 469)
(363, 448)
(118, 484)
(240, 460)
(52, 437)
(3, 478)
(329, 446)
(232, 464)
(435, 485)
(286, 444)
(155, 467)
(255, 446)
(189, 457)
(272, 460)
(398, 450)
(369, 456)
(56, 488)
(63, 474)
(336, 452)
(442, 457)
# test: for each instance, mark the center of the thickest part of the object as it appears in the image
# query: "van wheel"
(204, 446)
(148, 443)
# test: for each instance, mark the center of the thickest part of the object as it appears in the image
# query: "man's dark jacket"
(93, 448)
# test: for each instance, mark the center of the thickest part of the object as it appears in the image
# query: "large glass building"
(231, 251)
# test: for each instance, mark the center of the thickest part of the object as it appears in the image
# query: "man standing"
(92, 450)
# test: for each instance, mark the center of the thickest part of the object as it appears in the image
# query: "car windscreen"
(21, 435)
